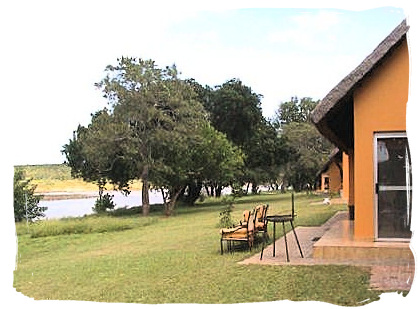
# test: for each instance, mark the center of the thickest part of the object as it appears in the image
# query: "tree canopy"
(235, 109)
(307, 149)
(179, 136)
(152, 131)
(294, 110)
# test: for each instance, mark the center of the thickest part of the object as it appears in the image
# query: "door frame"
(376, 136)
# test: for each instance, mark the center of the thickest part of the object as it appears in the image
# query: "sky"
(58, 50)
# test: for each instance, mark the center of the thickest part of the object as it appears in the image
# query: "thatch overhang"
(336, 156)
(333, 116)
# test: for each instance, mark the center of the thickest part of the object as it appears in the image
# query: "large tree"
(153, 130)
(97, 154)
(266, 155)
(294, 110)
(307, 148)
(200, 156)
(235, 110)
(154, 104)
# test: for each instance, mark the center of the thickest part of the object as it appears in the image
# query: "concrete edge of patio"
(387, 274)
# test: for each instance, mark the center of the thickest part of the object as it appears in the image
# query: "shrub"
(104, 203)
(225, 219)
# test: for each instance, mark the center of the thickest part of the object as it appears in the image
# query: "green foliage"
(235, 110)
(104, 203)
(294, 111)
(156, 131)
(266, 155)
(25, 202)
(308, 151)
(225, 217)
(96, 152)
(306, 148)
(153, 115)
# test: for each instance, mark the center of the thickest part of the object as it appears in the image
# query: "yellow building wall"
(379, 106)
(351, 179)
(335, 178)
(333, 173)
(346, 178)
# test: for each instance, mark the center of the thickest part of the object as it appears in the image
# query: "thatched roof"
(335, 156)
(335, 104)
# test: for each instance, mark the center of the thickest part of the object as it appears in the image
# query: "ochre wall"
(335, 178)
(379, 106)
(346, 178)
(334, 175)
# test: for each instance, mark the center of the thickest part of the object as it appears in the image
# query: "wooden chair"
(242, 233)
(261, 220)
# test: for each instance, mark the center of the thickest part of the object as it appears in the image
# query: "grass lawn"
(175, 260)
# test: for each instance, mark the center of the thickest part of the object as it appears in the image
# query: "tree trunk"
(218, 191)
(145, 191)
(207, 190)
(194, 191)
(254, 188)
(170, 206)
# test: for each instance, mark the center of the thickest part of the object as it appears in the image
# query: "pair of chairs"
(253, 223)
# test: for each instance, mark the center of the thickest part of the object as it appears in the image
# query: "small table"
(282, 219)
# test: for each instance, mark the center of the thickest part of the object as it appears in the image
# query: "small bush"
(104, 203)
(225, 219)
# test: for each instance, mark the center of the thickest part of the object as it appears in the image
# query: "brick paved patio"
(391, 266)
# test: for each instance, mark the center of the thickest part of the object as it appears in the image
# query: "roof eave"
(346, 86)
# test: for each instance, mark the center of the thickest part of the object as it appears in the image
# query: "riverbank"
(56, 179)
(56, 196)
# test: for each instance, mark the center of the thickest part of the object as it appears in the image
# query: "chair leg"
(263, 244)
(221, 246)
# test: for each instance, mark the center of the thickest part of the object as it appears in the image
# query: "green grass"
(84, 225)
(178, 260)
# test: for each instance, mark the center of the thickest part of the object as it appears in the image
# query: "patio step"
(337, 244)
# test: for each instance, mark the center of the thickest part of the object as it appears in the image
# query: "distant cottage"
(330, 177)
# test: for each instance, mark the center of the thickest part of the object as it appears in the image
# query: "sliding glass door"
(393, 186)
